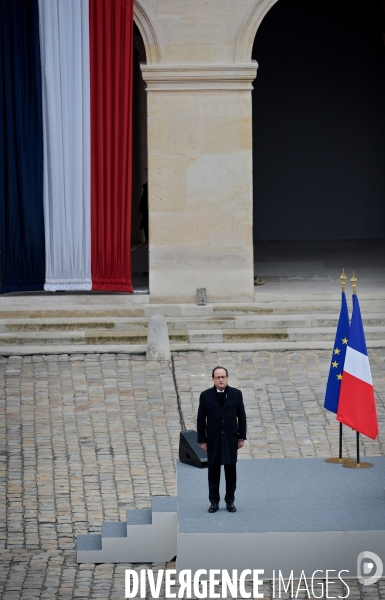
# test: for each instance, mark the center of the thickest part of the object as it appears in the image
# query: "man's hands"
(204, 447)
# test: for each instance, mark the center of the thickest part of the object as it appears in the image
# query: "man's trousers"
(214, 475)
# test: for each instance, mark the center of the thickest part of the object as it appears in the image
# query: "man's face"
(220, 379)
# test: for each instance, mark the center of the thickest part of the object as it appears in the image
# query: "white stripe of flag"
(357, 364)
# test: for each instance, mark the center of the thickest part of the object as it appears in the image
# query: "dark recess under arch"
(318, 121)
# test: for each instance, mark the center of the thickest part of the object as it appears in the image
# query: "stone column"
(200, 181)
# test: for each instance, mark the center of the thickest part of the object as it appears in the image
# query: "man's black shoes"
(229, 505)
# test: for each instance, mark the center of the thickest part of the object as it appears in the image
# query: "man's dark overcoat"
(221, 428)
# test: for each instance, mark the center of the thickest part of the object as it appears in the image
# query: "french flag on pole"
(357, 406)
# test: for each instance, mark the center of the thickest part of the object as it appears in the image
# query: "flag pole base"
(340, 461)
(358, 465)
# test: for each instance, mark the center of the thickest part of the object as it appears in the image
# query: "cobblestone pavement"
(84, 437)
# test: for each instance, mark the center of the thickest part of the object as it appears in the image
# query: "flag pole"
(357, 464)
(341, 459)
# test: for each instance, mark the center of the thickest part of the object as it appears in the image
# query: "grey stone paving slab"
(84, 437)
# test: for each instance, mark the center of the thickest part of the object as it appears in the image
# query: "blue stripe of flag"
(22, 242)
(356, 334)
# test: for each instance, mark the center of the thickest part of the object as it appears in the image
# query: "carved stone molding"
(148, 33)
(199, 77)
(246, 37)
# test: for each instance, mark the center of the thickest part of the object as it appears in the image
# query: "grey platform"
(292, 514)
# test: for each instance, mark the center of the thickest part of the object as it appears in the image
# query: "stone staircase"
(67, 323)
(145, 536)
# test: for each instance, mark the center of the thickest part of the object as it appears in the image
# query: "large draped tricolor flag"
(66, 144)
(357, 406)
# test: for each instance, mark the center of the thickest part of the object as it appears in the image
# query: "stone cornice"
(160, 78)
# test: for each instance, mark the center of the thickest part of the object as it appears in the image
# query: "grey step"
(289, 333)
(107, 300)
(62, 305)
(218, 336)
(90, 542)
(264, 295)
(75, 312)
(38, 304)
(267, 321)
(43, 349)
(299, 305)
(95, 337)
(100, 323)
(205, 335)
(139, 517)
(328, 333)
(268, 345)
(73, 337)
(164, 504)
(310, 320)
(302, 338)
(73, 324)
(254, 335)
(114, 530)
(42, 299)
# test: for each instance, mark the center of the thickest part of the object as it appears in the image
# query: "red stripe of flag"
(357, 407)
(111, 72)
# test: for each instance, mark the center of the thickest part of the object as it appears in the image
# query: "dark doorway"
(318, 121)
(139, 246)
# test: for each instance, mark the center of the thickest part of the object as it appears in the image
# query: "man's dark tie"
(221, 397)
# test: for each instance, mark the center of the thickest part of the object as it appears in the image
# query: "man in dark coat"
(221, 426)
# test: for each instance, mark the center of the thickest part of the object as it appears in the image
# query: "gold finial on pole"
(354, 283)
(343, 279)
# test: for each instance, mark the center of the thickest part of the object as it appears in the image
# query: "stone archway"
(200, 148)
(248, 31)
(316, 129)
(148, 34)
